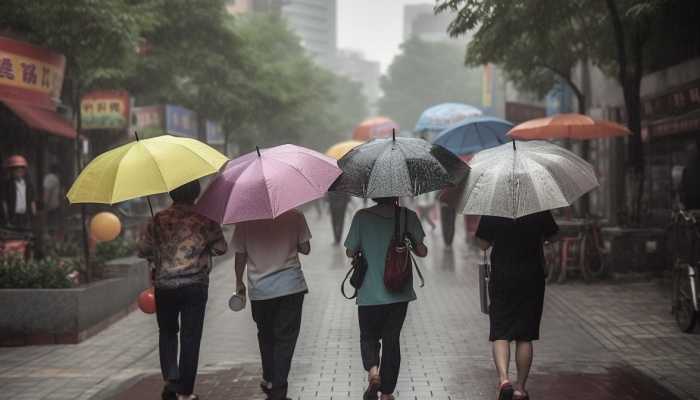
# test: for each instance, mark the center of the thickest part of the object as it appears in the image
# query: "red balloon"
(147, 301)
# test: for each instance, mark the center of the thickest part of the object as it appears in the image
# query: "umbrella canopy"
(338, 150)
(474, 134)
(143, 168)
(442, 116)
(518, 179)
(398, 167)
(567, 126)
(265, 184)
(373, 128)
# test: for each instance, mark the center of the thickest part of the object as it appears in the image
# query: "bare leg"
(523, 361)
(501, 357)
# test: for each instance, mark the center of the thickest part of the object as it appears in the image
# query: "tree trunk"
(630, 80)
(79, 167)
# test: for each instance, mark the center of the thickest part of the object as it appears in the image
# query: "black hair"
(186, 193)
(385, 200)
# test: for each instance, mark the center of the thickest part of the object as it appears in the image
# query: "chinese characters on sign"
(32, 74)
(105, 110)
(148, 121)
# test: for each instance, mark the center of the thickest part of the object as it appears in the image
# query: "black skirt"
(517, 297)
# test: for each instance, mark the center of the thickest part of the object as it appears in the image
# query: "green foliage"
(250, 73)
(96, 36)
(117, 248)
(290, 99)
(424, 74)
(48, 273)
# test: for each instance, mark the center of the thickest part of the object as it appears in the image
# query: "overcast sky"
(374, 27)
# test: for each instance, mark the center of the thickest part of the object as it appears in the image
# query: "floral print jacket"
(183, 241)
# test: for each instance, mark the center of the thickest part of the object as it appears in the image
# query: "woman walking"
(516, 290)
(381, 312)
(179, 242)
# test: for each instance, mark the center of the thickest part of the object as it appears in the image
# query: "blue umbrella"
(473, 135)
(442, 116)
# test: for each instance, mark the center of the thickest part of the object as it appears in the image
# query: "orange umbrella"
(373, 128)
(567, 126)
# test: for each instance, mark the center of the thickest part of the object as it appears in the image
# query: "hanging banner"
(29, 73)
(487, 86)
(105, 110)
(148, 121)
(181, 121)
(214, 133)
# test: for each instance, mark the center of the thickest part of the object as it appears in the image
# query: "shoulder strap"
(342, 285)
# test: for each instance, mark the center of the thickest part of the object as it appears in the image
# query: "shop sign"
(215, 133)
(148, 121)
(27, 71)
(680, 100)
(181, 121)
(520, 112)
(672, 126)
(105, 110)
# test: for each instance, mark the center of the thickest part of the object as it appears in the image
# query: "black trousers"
(278, 321)
(447, 217)
(188, 304)
(383, 322)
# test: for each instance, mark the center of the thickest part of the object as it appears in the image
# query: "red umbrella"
(567, 126)
(373, 128)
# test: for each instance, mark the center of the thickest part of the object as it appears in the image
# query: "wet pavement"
(599, 341)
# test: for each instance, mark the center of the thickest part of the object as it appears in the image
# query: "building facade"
(315, 23)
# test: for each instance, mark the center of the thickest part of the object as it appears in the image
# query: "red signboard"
(106, 109)
(30, 74)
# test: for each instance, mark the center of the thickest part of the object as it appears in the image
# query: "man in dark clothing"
(338, 204)
(690, 182)
(18, 194)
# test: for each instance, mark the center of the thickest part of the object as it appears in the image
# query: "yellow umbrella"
(143, 168)
(338, 150)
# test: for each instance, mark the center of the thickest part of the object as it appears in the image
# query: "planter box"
(65, 316)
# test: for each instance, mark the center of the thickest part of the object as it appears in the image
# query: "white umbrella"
(521, 178)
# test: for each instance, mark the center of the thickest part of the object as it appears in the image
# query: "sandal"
(505, 391)
(521, 395)
(373, 387)
(265, 387)
(168, 394)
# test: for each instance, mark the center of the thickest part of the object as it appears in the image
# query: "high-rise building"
(315, 23)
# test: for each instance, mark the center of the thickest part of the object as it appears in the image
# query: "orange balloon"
(105, 226)
(147, 301)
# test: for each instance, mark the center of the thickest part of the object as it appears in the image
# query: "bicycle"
(684, 298)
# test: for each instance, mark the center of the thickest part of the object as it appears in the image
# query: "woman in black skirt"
(516, 290)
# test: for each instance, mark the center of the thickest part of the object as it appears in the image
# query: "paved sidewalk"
(599, 341)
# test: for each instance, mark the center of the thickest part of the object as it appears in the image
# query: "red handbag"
(398, 266)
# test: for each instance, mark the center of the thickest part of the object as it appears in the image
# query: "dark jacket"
(8, 192)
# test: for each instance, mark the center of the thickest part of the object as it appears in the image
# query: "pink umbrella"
(266, 183)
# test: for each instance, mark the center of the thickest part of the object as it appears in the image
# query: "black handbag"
(484, 278)
(356, 274)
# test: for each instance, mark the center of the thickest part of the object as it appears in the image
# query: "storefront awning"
(42, 119)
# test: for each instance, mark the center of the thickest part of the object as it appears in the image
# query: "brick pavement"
(591, 341)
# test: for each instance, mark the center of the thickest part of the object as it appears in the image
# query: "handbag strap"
(397, 222)
(342, 285)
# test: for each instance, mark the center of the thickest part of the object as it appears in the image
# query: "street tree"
(291, 99)
(613, 34)
(425, 74)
